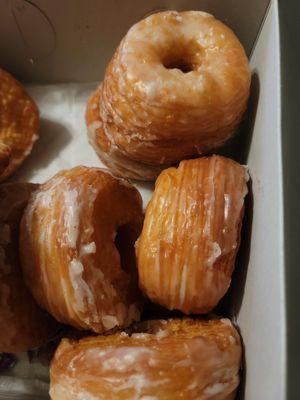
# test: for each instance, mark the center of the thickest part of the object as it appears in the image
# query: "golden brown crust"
(151, 111)
(191, 234)
(175, 359)
(23, 324)
(108, 152)
(77, 248)
(19, 123)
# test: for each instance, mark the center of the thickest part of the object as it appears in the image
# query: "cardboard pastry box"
(58, 48)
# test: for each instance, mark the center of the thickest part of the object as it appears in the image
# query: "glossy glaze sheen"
(177, 86)
(19, 123)
(68, 251)
(191, 233)
(175, 359)
(23, 324)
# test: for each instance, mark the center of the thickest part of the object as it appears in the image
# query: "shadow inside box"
(155, 311)
(53, 137)
(231, 303)
(45, 353)
(240, 395)
(238, 147)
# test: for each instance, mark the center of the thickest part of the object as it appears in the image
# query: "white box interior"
(63, 144)
(262, 314)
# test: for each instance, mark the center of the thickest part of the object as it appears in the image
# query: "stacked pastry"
(176, 87)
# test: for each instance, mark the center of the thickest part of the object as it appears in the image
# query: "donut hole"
(124, 243)
(186, 58)
(183, 65)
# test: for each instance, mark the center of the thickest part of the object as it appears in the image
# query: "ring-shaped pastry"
(168, 360)
(77, 248)
(191, 234)
(176, 87)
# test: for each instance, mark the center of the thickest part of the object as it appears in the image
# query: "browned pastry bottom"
(23, 324)
(19, 123)
(170, 360)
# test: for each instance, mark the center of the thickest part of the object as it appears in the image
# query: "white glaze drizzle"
(89, 248)
(215, 388)
(71, 216)
(81, 288)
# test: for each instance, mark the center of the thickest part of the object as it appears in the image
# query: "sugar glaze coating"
(191, 233)
(77, 237)
(176, 87)
(174, 359)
